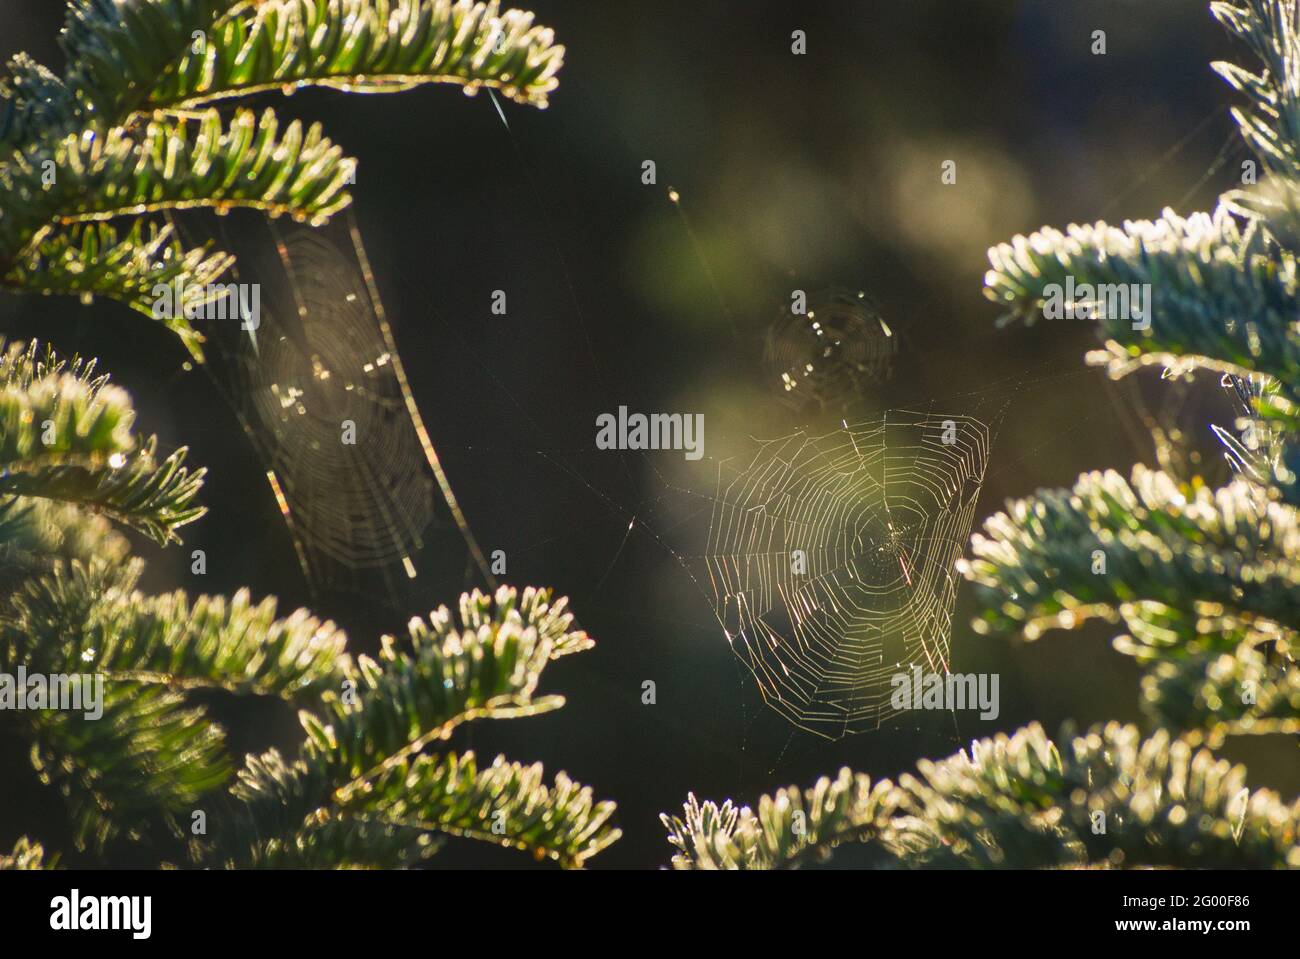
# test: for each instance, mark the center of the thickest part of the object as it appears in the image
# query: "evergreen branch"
(35, 102)
(364, 46)
(154, 498)
(1106, 798)
(37, 533)
(92, 618)
(1217, 298)
(27, 855)
(1033, 565)
(280, 822)
(404, 702)
(363, 752)
(122, 135)
(94, 259)
(507, 804)
(117, 49)
(410, 805)
(791, 826)
(276, 823)
(148, 758)
(1202, 578)
(1273, 206)
(65, 434)
(531, 610)
(1213, 672)
(175, 163)
(1271, 124)
(274, 799)
(344, 841)
(41, 617)
(24, 363)
(62, 419)
(485, 664)
(408, 702)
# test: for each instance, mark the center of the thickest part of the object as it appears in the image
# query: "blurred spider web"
(319, 388)
(831, 353)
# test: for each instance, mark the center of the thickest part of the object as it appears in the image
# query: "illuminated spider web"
(832, 561)
(360, 503)
(321, 393)
(832, 353)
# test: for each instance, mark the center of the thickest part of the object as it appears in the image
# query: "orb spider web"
(832, 561)
(338, 449)
(835, 351)
(319, 389)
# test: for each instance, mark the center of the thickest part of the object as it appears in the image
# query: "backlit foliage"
(371, 785)
(1206, 581)
(131, 128)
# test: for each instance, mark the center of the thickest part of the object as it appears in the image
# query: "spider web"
(881, 509)
(831, 560)
(813, 676)
(830, 355)
(319, 389)
(363, 504)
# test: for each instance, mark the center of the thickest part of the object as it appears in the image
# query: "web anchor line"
(430, 454)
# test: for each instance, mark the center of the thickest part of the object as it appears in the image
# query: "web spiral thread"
(832, 561)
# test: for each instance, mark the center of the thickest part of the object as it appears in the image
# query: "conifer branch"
(1106, 798)
(93, 618)
(27, 855)
(117, 49)
(790, 827)
(364, 46)
(149, 758)
(34, 102)
(96, 259)
(174, 163)
(65, 434)
(125, 132)
(154, 498)
(1218, 298)
(35, 534)
(507, 804)
(61, 419)
(365, 754)
(1270, 125)
(1062, 556)
(22, 364)
(1202, 578)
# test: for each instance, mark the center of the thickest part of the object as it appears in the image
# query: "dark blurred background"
(794, 172)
